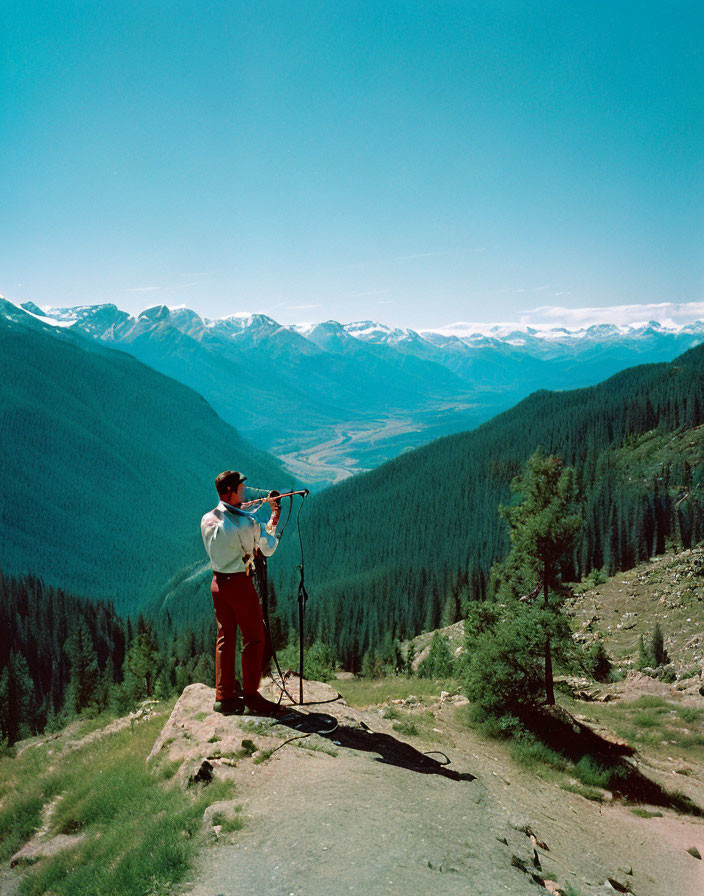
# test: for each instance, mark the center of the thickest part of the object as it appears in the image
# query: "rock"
(460, 700)
(34, 850)
(554, 888)
(517, 862)
(618, 886)
(693, 851)
(537, 843)
(204, 774)
(224, 808)
(444, 695)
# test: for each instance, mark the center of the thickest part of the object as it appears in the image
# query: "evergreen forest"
(407, 546)
(106, 466)
(62, 657)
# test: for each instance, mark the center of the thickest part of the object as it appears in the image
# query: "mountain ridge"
(335, 399)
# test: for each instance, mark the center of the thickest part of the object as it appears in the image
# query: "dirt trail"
(317, 824)
(352, 823)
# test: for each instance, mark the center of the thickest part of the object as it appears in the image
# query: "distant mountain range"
(331, 399)
(106, 466)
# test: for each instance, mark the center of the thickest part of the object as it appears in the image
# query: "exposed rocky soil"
(668, 590)
(363, 810)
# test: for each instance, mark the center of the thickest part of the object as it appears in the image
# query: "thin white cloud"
(143, 288)
(370, 292)
(303, 307)
(670, 315)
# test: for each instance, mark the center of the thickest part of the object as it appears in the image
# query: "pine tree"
(16, 696)
(143, 662)
(657, 647)
(438, 662)
(83, 664)
(543, 528)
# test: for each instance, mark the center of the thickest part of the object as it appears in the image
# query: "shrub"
(598, 662)
(504, 671)
(438, 662)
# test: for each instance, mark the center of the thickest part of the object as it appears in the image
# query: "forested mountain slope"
(332, 399)
(105, 465)
(396, 549)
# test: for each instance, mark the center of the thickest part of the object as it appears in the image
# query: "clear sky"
(418, 162)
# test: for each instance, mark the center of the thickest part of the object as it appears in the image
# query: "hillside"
(105, 465)
(332, 399)
(667, 591)
(364, 807)
(389, 551)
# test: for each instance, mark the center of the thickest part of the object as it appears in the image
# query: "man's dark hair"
(229, 479)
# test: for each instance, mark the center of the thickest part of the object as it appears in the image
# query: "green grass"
(317, 745)
(532, 754)
(589, 793)
(108, 792)
(653, 723)
(645, 813)
(406, 727)
(361, 692)
(263, 756)
(229, 823)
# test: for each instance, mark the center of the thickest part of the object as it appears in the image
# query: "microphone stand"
(302, 598)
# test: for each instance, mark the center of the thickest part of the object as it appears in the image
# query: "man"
(232, 537)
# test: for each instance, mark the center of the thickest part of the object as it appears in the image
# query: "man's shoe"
(230, 706)
(260, 706)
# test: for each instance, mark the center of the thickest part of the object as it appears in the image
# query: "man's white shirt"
(230, 533)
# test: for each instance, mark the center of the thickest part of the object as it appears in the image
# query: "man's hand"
(275, 509)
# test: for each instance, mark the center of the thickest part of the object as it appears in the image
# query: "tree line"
(401, 548)
(64, 656)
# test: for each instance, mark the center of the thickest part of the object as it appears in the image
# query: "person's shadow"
(391, 750)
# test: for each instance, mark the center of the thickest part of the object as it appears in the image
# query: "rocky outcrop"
(198, 744)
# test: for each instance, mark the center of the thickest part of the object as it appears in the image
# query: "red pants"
(236, 603)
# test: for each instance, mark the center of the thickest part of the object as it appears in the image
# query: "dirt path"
(317, 824)
(353, 823)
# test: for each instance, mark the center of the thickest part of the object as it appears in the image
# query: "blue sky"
(416, 163)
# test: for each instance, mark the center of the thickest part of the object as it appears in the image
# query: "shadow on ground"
(572, 739)
(391, 750)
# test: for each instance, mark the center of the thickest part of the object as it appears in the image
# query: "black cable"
(438, 753)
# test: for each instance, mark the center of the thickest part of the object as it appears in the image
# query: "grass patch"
(361, 692)
(589, 793)
(531, 754)
(263, 756)
(200, 716)
(228, 823)
(645, 720)
(108, 792)
(645, 813)
(689, 714)
(654, 724)
(317, 746)
(406, 727)
(263, 728)
(167, 771)
(595, 774)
